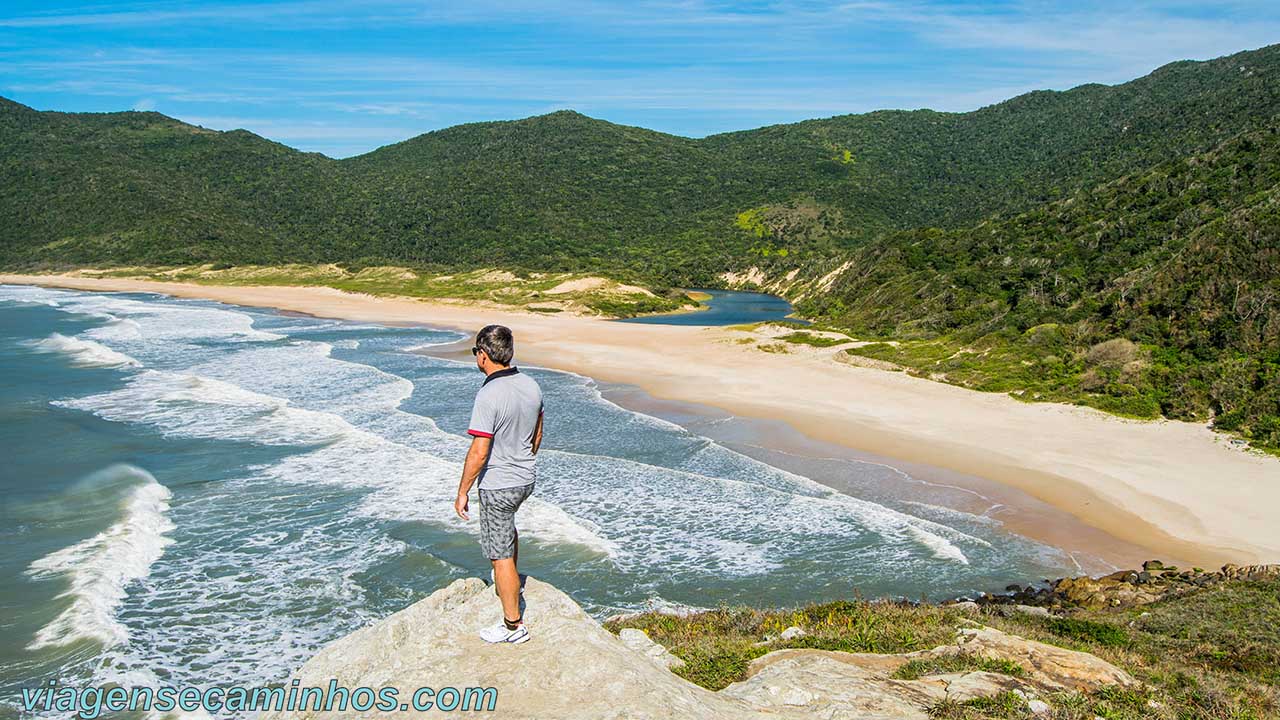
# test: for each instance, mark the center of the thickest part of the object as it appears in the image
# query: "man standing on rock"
(505, 430)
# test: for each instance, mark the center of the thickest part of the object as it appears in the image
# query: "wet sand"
(839, 467)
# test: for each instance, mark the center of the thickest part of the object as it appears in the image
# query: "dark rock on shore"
(1124, 588)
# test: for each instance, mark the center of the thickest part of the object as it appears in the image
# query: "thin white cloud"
(1117, 36)
(689, 67)
(284, 129)
(173, 13)
(106, 87)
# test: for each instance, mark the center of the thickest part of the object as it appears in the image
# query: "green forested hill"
(910, 169)
(1155, 294)
(563, 191)
(113, 188)
(559, 191)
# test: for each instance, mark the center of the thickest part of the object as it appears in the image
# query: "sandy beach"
(1175, 488)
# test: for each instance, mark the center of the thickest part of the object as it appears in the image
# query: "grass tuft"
(801, 337)
(957, 662)
(718, 645)
(1007, 704)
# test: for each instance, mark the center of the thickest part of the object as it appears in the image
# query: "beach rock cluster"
(1124, 588)
(830, 684)
(574, 668)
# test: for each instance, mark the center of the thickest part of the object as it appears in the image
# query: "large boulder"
(571, 668)
(1115, 590)
(1047, 666)
(851, 686)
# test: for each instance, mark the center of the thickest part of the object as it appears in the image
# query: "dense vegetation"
(998, 245)
(1210, 654)
(1156, 294)
(566, 192)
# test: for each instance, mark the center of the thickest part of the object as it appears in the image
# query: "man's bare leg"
(515, 557)
(508, 582)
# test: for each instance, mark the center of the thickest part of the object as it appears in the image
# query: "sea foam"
(185, 405)
(174, 321)
(98, 570)
(408, 482)
(83, 353)
(30, 295)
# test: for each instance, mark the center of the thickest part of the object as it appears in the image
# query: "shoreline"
(777, 443)
(1172, 488)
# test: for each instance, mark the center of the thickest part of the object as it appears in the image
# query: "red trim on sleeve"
(478, 433)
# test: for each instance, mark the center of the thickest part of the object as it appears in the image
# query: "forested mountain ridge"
(104, 189)
(911, 169)
(566, 192)
(1113, 246)
(550, 192)
(1154, 294)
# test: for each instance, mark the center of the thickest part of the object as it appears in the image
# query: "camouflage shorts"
(498, 519)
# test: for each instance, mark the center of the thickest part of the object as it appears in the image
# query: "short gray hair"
(497, 343)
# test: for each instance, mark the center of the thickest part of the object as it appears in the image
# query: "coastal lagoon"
(728, 307)
(204, 494)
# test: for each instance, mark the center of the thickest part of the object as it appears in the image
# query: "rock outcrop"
(1125, 588)
(638, 641)
(834, 685)
(574, 668)
(1047, 667)
(848, 686)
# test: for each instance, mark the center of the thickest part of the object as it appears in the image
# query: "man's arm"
(537, 435)
(477, 455)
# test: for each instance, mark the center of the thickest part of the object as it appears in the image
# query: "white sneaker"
(500, 634)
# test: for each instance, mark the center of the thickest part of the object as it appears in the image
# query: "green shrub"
(1087, 631)
(1135, 406)
(808, 338)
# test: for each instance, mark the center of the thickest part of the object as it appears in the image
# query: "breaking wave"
(98, 570)
(83, 353)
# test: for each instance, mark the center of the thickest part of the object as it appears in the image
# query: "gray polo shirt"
(507, 409)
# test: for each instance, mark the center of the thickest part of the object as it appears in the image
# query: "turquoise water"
(728, 307)
(202, 493)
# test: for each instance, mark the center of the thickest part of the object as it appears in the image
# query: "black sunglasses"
(475, 350)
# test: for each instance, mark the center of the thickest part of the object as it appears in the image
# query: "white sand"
(586, 284)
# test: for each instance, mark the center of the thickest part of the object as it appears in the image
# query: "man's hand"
(477, 456)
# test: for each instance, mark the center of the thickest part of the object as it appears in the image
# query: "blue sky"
(344, 77)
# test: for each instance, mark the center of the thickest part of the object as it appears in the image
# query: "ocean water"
(205, 494)
(728, 307)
